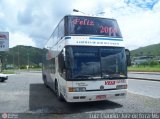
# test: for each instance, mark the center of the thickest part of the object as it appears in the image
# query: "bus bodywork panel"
(96, 90)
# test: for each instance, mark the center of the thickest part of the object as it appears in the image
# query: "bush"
(22, 67)
(37, 66)
(153, 63)
(144, 63)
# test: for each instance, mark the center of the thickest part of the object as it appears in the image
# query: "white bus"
(86, 60)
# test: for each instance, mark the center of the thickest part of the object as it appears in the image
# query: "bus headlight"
(77, 89)
(121, 86)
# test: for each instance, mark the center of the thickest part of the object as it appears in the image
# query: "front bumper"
(95, 96)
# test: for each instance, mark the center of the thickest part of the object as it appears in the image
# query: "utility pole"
(75, 10)
(18, 60)
(13, 62)
(1, 64)
(28, 60)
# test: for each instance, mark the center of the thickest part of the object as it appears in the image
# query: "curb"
(152, 73)
(144, 79)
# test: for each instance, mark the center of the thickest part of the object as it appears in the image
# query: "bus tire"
(58, 93)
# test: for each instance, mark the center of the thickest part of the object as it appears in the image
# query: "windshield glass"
(95, 62)
(113, 62)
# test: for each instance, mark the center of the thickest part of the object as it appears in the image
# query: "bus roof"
(89, 16)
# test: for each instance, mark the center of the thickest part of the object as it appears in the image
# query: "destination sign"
(82, 25)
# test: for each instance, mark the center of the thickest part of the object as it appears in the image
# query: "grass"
(13, 71)
(140, 68)
(8, 71)
(145, 68)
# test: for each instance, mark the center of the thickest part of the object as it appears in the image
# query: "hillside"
(33, 56)
(151, 50)
(23, 55)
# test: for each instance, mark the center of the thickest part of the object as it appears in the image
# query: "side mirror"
(128, 59)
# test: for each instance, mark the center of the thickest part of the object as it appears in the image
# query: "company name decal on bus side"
(106, 41)
(121, 81)
(98, 43)
(110, 82)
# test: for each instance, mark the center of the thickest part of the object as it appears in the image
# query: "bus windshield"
(83, 25)
(95, 62)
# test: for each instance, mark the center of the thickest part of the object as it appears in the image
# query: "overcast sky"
(31, 22)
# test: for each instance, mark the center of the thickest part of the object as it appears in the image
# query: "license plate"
(101, 97)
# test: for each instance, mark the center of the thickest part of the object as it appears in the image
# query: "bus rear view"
(88, 58)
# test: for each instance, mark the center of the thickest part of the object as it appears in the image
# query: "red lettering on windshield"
(106, 29)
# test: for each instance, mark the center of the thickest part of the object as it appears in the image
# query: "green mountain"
(151, 50)
(22, 56)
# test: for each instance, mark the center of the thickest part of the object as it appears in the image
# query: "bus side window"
(61, 30)
(61, 64)
(53, 66)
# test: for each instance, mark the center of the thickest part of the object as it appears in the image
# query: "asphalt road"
(24, 96)
(144, 87)
(145, 75)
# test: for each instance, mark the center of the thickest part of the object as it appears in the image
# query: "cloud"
(25, 17)
(38, 19)
(148, 4)
(34, 21)
(156, 7)
(19, 38)
(140, 29)
(139, 26)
